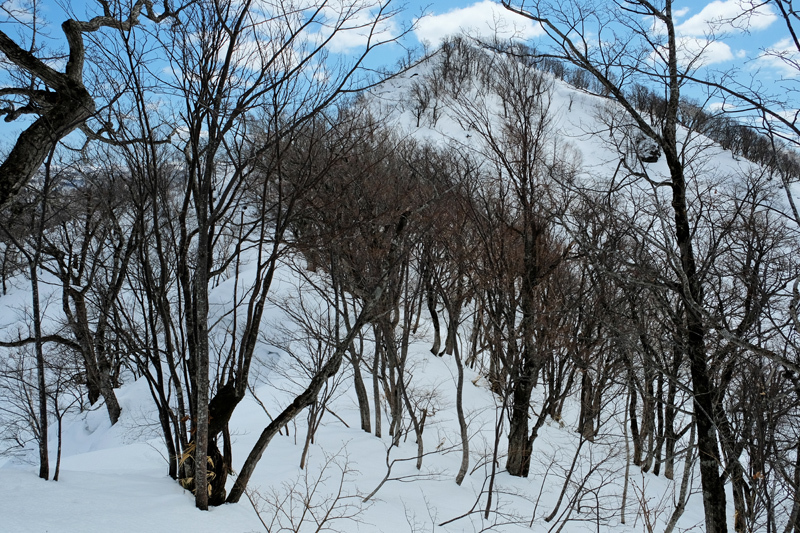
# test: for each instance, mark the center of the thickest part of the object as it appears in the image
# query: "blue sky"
(734, 45)
(740, 46)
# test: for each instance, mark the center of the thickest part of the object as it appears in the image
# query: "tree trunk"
(303, 400)
(361, 390)
(462, 421)
(519, 445)
(327, 371)
(430, 298)
(454, 314)
(683, 496)
(587, 415)
(660, 427)
(98, 375)
(200, 334)
(635, 435)
(702, 388)
(376, 389)
(71, 107)
(670, 411)
(44, 461)
(648, 419)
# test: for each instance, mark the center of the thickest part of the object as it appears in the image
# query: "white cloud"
(728, 16)
(703, 52)
(698, 36)
(355, 24)
(715, 107)
(678, 13)
(697, 52)
(782, 56)
(16, 11)
(483, 19)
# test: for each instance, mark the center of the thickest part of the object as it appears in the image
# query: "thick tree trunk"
(702, 387)
(98, 375)
(358, 379)
(110, 397)
(215, 477)
(437, 336)
(200, 334)
(70, 109)
(520, 446)
(525, 372)
(454, 315)
(587, 414)
(477, 326)
(648, 420)
(634, 421)
(67, 105)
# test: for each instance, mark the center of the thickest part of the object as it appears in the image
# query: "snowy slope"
(114, 478)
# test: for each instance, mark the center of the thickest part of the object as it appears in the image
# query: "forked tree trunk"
(303, 400)
(328, 370)
(358, 379)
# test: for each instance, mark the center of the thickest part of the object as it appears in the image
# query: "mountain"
(510, 243)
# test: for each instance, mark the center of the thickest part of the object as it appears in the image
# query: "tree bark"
(68, 106)
(520, 446)
(462, 421)
(44, 461)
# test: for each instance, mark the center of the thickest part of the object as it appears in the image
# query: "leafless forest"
(172, 147)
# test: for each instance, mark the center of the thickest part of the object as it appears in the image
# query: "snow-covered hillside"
(114, 478)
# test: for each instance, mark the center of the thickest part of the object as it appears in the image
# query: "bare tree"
(60, 100)
(616, 63)
(522, 161)
(247, 85)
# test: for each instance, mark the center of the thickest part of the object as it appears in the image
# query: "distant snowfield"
(115, 478)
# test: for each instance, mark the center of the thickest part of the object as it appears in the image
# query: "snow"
(114, 478)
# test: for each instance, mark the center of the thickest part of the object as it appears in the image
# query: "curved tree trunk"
(67, 105)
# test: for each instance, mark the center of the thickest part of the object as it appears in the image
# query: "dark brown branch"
(45, 338)
(69, 105)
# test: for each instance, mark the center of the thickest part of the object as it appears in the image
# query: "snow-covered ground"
(115, 478)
